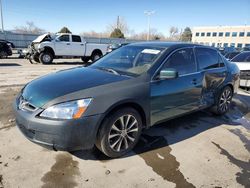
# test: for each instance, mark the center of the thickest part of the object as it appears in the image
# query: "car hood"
(243, 65)
(41, 38)
(44, 89)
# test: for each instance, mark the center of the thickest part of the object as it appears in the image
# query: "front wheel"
(45, 58)
(223, 101)
(119, 133)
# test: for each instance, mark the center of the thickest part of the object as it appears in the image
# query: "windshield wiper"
(109, 70)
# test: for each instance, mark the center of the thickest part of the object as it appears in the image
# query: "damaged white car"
(45, 48)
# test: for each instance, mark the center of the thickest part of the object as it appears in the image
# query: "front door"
(173, 97)
(62, 45)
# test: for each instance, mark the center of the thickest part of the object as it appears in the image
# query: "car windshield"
(130, 60)
(242, 57)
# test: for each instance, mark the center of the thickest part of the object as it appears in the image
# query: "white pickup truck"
(45, 48)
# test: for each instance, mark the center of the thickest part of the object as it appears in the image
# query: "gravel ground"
(197, 150)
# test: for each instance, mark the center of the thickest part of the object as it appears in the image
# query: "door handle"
(68, 43)
(81, 44)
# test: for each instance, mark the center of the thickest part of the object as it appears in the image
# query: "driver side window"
(64, 38)
(182, 61)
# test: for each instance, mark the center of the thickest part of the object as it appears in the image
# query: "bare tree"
(95, 34)
(30, 28)
(155, 35)
(174, 34)
(173, 31)
(119, 23)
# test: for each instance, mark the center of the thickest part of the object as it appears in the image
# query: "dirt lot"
(198, 150)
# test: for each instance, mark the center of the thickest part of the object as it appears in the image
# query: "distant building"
(222, 36)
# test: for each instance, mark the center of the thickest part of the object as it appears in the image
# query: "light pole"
(148, 13)
(1, 8)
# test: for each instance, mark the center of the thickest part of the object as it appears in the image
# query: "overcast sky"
(86, 15)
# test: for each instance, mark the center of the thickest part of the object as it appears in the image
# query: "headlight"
(67, 110)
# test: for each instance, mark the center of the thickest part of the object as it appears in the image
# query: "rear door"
(77, 46)
(173, 97)
(62, 45)
(213, 71)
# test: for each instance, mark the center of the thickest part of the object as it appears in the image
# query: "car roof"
(166, 44)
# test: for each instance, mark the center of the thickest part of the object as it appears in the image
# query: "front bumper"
(68, 135)
(245, 78)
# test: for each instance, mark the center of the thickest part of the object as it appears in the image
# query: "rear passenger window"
(76, 38)
(182, 61)
(207, 58)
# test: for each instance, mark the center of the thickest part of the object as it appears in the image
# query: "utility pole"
(1, 8)
(118, 22)
(148, 14)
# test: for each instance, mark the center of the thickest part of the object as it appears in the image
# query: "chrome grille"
(245, 75)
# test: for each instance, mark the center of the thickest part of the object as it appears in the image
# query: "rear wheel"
(119, 133)
(85, 59)
(95, 56)
(223, 101)
(45, 58)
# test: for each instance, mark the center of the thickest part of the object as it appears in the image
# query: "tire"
(223, 101)
(34, 60)
(95, 56)
(85, 59)
(45, 58)
(115, 140)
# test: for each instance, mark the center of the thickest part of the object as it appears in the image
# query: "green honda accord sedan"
(110, 102)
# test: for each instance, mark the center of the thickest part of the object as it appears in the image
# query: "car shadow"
(9, 64)
(68, 63)
(171, 132)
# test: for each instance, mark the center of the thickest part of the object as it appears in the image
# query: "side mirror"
(168, 74)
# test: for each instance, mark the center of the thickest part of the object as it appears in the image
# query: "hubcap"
(96, 57)
(225, 100)
(123, 133)
(46, 58)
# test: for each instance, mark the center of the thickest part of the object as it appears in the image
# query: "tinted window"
(197, 34)
(64, 38)
(207, 58)
(239, 45)
(241, 34)
(182, 61)
(76, 38)
(220, 34)
(208, 34)
(248, 34)
(214, 34)
(225, 44)
(202, 34)
(234, 34)
(243, 57)
(227, 34)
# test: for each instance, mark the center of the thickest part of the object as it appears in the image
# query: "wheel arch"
(48, 49)
(97, 51)
(124, 104)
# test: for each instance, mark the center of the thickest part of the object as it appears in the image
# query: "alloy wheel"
(225, 100)
(46, 58)
(123, 133)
